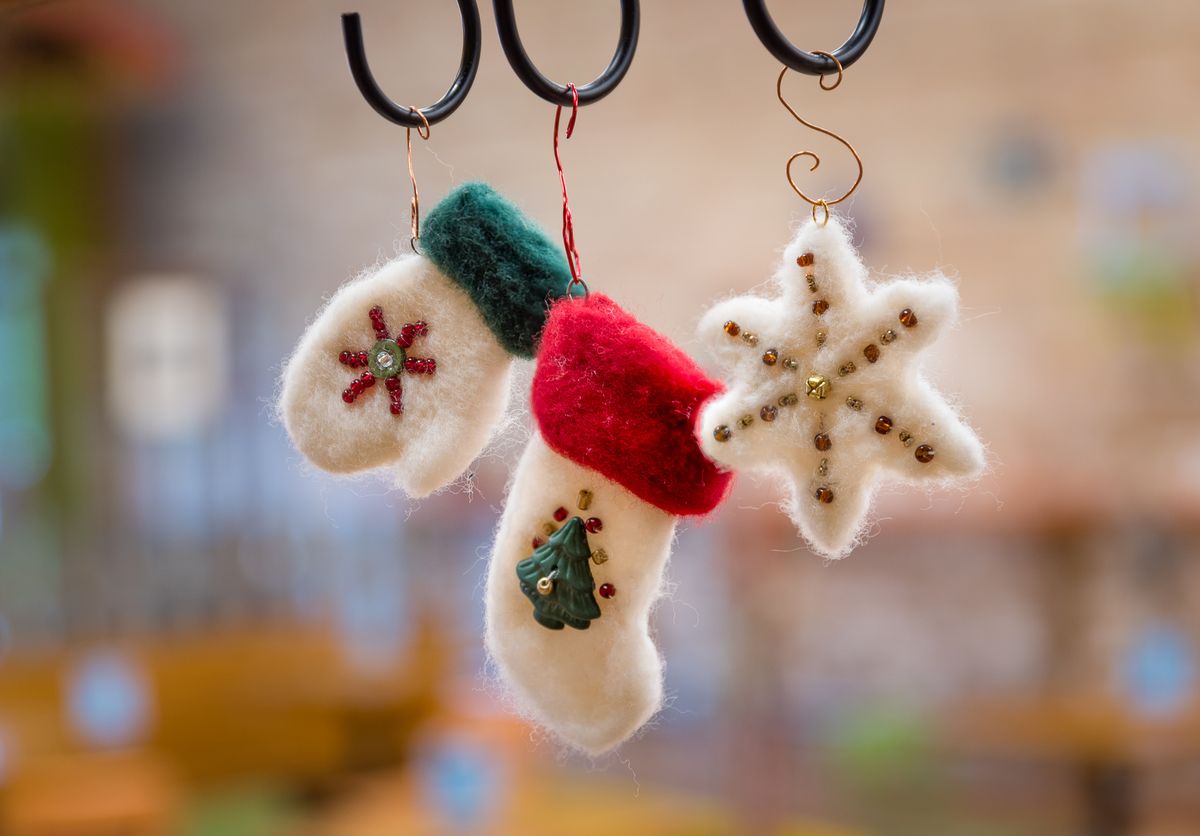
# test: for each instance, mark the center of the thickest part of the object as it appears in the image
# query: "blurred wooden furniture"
(114, 794)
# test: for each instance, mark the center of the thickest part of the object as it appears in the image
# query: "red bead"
(392, 384)
(362, 358)
(395, 407)
(538, 542)
(381, 333)
(344, 358)
(593, 525)
(356, 387)
(607, 590)
(405, 338)
(348, 396)
(410, 364)
(432, 366)
(375, 312)
(560, 513)
(367, 379)
(421, 328)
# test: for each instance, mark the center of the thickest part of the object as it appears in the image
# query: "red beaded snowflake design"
(386, 359)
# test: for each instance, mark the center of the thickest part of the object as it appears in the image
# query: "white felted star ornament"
(407, 368)
(824, 386)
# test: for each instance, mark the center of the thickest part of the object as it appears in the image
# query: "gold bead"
(549, 528)
(820, 338)
(823, 467)
(732, 328)
(906, 438)
(817, 386)
(722, 433)
(806, 260)
(751, 339)
(854, 403)
(770, 357)
(887, 336)
(847, 368)
(599, 556)
(545, 586)
(768, 413)
(791, 364)
(745, 421)
(790, 399)
(812, 282)
(585, 500)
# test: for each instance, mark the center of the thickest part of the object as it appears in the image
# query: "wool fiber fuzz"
(592, 688)
(623, 399)
(824, 386)
(447, 416)
(501, 258)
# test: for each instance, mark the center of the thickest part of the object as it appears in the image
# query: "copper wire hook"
(415, 204)
(815, 203)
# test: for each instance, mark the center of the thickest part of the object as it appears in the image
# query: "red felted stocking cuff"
(613, 395)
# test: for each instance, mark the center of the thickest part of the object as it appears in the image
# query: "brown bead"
(732, 328)
(768, 413)
(847, 368)
(745, 421)
(812, 282)
(722, 433)
(907, 318)
(770, 357)
(820, 306)
(822, 441)
(924, 454)
(883, 425)
(824, 495)
(790, 399)
(871, 352)
(806, 260)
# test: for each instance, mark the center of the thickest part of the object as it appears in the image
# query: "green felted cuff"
(501, 258)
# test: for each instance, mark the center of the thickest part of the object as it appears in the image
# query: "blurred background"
(200, 634)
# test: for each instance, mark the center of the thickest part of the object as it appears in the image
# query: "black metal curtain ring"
(560, 94)
(806, 62)
(356, 53)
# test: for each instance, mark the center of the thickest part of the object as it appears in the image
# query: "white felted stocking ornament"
(589, 520)
(824, 387)
(407, 368)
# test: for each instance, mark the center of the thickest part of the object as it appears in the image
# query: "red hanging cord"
(568, 225)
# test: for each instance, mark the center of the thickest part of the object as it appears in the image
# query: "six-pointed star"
(824, 387)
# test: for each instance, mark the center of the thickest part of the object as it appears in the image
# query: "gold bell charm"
(545, 586)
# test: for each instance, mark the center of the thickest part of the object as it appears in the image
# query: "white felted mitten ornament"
(407, 368)
(591, 512)
(824, 386)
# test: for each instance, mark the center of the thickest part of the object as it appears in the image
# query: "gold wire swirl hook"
(817, 203)
(415, 203)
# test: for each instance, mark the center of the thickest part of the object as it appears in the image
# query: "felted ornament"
(407, 367)
(825, 390)
(587, 527)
